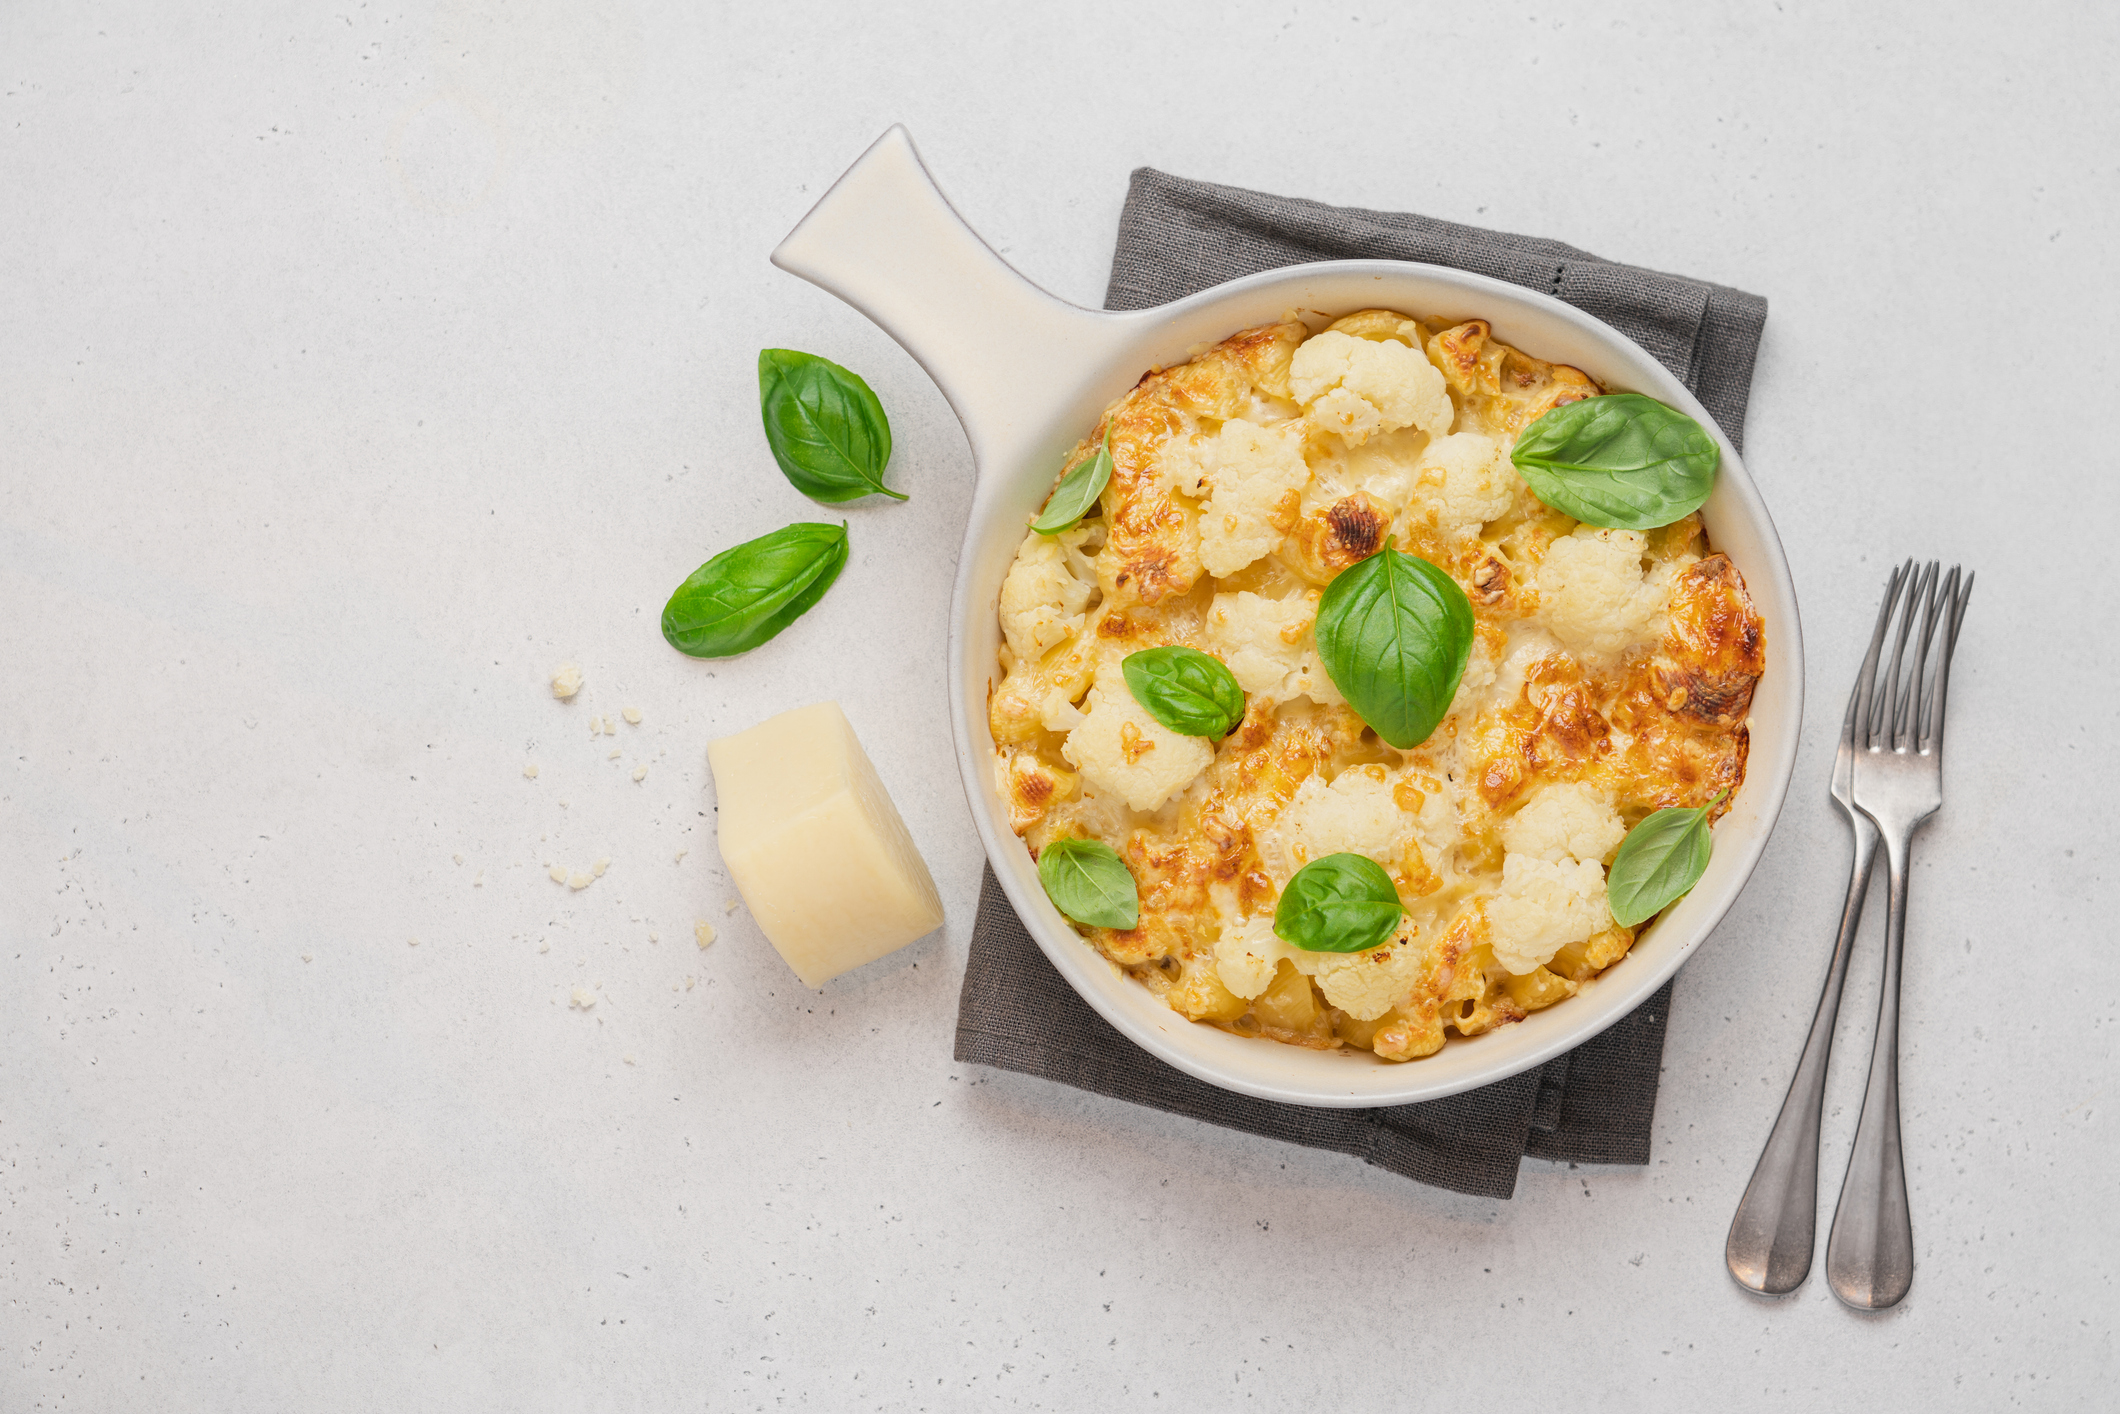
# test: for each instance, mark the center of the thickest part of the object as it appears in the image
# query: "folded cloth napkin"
(1593, 1105)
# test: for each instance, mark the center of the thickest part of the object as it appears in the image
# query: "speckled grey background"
(358, 363)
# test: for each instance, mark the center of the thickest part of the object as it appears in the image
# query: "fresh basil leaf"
(1087, 881)
(825, 426)
(1077, 491)
(1186, 690)
(1661, 859)
(1340, 903)
(1621, 461)
(1395, 633)
(745, 595)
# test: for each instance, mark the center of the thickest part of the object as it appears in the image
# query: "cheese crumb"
(530, 771)
(688, 984)
(640, 773)
(480, 881)
(633, 715)
(654, 937)
(728, 905)
(601, 865)
(704, 932)
(566, 680)
(309, 957)
(458, 858)
(412, 942)
(628, 1060)
(544, 947)
(559, 875)
(614, 755)
(679, 857)
(583, 998)
(580, 881)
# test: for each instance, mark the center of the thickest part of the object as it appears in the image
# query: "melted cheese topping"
(1611, 676)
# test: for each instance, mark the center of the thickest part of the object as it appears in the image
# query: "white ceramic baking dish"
(1028, 374)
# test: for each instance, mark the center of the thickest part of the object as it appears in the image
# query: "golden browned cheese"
(1611, 676)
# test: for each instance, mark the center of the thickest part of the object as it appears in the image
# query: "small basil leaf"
(825, 426)
(1395, 633)
(1340, 903)
(745, 595)
(1087, 881)
(1077, 491)
(1621, 461)
(1661, 859)
(1186, 690)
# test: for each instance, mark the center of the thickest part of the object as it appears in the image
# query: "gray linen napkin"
(1593, 1105)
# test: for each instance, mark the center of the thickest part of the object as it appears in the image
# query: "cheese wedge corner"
(816, 847)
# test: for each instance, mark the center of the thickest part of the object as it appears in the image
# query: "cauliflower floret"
(1245, 956)
(1593, 595)
(1123, 750)
(1355, 814)
(1268, 647)
(1564, 822)
(1359, 387)
(1365, 985)
(1464, 483)
(1481, 668)
(1247, 472)
(1042, 602)
(1543, 907)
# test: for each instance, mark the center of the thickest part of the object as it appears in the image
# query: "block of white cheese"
(816, 846)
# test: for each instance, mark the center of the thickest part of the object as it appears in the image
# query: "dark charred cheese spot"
(1154, 574)
(1490, 581)
(1357, 527)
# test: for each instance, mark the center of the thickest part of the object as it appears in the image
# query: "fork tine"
(1935, 632)
(1862, 703)
(1933, 739)
(1887, 727)
(1921, 690)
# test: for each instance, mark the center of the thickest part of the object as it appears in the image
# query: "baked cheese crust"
(1611, 677)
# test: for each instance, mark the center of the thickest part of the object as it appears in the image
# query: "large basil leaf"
(1621, 461)
(1087, 881)
(1661, 859)
(1186, 690)
(1077, 491)
(1340, 903)
(745, 595)
(1395, 633)
(825, 426)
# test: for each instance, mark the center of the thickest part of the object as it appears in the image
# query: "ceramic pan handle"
(886, 240)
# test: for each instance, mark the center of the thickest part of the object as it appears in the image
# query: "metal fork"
(1898, 784)
(1776, 1227)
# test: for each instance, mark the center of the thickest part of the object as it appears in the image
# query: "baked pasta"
(1610, 675)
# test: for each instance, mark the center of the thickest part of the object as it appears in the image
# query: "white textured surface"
(359, 367)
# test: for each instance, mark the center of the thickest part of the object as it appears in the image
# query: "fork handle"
(1776, 1227)
(1870, 1253)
